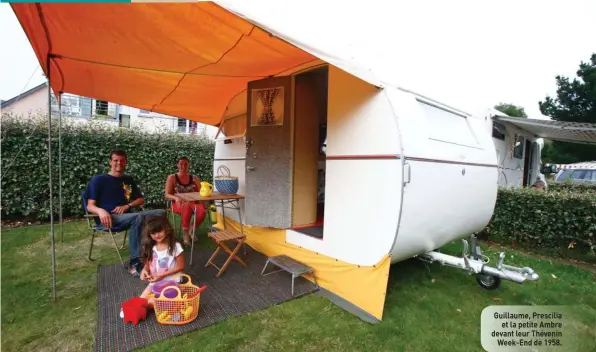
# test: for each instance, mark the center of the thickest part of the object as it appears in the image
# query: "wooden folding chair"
(220, 237)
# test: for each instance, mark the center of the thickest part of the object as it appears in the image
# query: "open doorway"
(310, 134)
(527, 156)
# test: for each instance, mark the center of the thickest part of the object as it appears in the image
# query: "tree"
(511, 110)
(575, 102)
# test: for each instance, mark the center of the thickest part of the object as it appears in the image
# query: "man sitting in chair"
(111, 197)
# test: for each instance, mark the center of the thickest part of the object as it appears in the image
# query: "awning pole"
(50, 179)
(60, 163)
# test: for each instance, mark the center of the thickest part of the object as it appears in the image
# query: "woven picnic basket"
(182, 308)
(224, 183)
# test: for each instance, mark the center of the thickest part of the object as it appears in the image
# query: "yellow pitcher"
(206, 189)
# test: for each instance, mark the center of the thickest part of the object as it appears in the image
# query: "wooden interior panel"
(235, 125)
(306, 154)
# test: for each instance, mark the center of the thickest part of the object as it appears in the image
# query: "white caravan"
(427, 172)
(518, 152)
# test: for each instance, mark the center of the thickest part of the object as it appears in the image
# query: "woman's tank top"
(185, 188)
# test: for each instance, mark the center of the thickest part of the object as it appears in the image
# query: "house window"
(85, 104)
(193, 127)
(101, 107)
(70, 105)
(124, 120)
(182, 125)
(518, 149)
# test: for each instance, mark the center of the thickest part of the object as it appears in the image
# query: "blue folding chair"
(95, 228)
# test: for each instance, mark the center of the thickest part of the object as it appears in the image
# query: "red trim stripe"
(362, 157)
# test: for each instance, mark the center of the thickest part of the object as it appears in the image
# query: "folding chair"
(95, 228)
(220, 237)
(172, 217)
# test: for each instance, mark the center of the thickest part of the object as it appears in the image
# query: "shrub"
(85, 152)
(538, 219)
(574, 187)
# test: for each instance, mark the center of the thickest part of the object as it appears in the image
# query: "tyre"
(488, 282)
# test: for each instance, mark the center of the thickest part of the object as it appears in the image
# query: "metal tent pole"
(60, 163)
(50, 179)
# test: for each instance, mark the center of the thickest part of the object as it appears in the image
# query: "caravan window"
(498, 131)
(518, 149)
(447, 126)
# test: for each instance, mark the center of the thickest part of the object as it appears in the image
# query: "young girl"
(162, 254)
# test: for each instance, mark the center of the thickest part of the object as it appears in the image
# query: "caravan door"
(268, 153)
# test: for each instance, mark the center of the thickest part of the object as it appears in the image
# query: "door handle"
(249, 168)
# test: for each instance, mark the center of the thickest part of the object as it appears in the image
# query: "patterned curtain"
(267, 97)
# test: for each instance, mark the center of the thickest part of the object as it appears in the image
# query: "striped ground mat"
(238, 291)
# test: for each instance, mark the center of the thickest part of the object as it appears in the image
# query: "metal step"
(291, 266)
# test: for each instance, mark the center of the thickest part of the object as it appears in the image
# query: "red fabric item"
(187, 213)
(135, 310)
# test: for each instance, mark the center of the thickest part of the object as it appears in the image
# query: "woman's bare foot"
(186, 237)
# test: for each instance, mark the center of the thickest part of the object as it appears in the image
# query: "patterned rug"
(238, 291)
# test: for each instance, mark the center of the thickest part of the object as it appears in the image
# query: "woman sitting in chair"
(184, 182)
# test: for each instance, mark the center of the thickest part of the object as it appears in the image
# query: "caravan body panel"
(451, 184)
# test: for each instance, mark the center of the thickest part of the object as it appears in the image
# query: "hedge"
(575, 187)
(553, 219)
(538, 219)
(85, 152)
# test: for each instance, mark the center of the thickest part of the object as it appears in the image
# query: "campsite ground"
(427, 308)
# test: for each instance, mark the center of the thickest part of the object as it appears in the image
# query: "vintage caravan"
(518, 152)
(519, 143)
(399, 176)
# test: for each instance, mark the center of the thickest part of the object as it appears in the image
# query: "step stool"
(291, 266)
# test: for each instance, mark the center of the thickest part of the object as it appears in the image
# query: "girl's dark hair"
(154, 224)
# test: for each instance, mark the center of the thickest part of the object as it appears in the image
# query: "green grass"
(427, 308)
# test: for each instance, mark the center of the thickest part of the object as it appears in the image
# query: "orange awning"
(185, 59)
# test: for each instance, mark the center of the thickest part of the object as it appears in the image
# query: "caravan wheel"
(488, 282)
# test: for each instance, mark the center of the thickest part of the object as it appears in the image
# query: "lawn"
(427, 308)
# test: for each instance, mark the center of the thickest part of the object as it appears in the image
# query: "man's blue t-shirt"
(110, 191)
